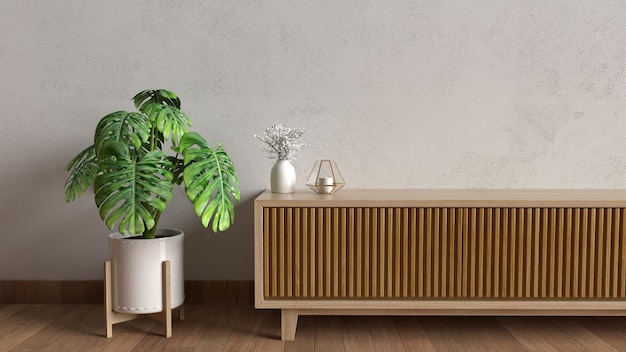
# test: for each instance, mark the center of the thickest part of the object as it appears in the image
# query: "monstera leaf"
(210, 181)
(132, 128)
(172, 122)
(83, 170)
(131, 191)
(160, 96)
(163, 109)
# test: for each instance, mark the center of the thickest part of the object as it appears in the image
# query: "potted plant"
(133, 180)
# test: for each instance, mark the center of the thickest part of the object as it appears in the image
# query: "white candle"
(326, 181)
(325, 184)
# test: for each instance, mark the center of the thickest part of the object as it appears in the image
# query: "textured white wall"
(421, 94)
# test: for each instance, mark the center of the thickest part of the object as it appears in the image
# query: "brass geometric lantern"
(325, 178)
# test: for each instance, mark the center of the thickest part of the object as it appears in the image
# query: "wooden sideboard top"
(348, 197)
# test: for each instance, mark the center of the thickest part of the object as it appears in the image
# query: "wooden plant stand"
(164, 317)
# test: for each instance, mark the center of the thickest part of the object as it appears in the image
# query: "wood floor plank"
(494, 333)
(153, 341)
(78, 331)
(587, 339)
(612, 330)
(187, 332)
(412, 334)
(527, 337)
(548, 329)
(440, 335)
(127, 335)
(242, 338)
(328, 334)
(8, 310)
(21, 325)
(220, 325)
(356, 334)
(20, 333)
(63, 319)
(465, 332)
(384, 335)
(94, 329)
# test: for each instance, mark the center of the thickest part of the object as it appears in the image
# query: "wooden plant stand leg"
(181, 312)
(164, 316)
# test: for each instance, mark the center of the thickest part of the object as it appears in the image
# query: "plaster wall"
(417, 94)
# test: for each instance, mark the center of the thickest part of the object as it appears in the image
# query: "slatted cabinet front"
(440, 253)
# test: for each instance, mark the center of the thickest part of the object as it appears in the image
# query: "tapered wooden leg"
(181, 312)
(288, 324)
(167, 298)
(108, 305)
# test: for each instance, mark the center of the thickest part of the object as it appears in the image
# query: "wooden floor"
(207, 328)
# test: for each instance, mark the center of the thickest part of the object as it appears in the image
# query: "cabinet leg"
(288, 324)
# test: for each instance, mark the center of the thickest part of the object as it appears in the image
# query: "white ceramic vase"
(136, 271)
(283, 177)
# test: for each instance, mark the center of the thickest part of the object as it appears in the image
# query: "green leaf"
(158, 96)
(83, 170)
(172, 122)
(163, 109)
(167, 94)
(132, 128)
(210, 182)
(132, 192)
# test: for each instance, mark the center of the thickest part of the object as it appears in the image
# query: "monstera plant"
(133, 177)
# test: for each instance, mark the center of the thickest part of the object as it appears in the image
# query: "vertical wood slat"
(621, 257)
(444, 253)
(550, 253)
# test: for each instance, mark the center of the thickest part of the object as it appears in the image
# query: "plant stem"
(153, 138)
(152, 232)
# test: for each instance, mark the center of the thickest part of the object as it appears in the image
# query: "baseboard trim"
(221, 292)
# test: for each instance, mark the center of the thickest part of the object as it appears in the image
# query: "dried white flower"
(282, 142)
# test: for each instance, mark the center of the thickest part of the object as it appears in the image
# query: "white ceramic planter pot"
(283, 177)
(136, 271)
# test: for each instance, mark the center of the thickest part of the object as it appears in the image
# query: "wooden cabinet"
(447, 252)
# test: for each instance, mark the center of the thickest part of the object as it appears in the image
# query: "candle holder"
(325, 178)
